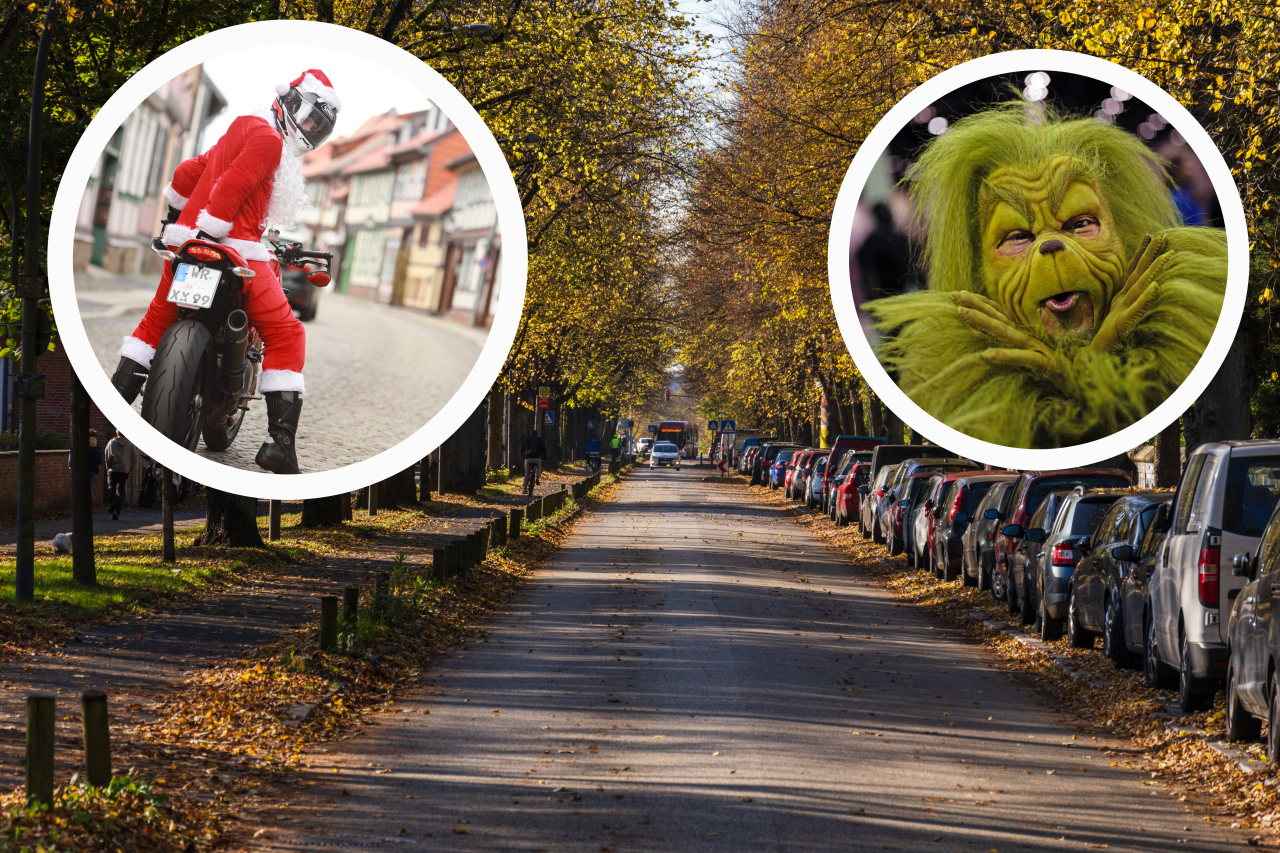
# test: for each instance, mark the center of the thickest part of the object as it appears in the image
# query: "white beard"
(288, 186)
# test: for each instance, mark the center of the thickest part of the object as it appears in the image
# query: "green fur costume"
(1064, 301)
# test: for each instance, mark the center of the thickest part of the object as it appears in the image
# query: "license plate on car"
(194, 286)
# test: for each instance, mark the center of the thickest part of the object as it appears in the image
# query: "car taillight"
(1064, 555)
(955, 507)
(1209, 576)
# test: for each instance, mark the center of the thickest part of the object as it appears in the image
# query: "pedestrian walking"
(615, 447)
(95, 460)
(121, 457)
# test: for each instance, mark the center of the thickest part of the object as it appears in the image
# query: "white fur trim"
(315, 87)
(281, 380)
(282, 89)
(212, 225)
(250, 250)
(175, 200)
(175, 234)
(138, 350)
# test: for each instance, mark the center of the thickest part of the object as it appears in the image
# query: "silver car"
(664, 454)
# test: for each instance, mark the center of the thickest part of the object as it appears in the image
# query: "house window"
(316, 193)
(410, 178)
(472, 188)
(368, 252)
(155, 174)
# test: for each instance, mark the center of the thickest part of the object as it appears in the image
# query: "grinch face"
(1051, 252)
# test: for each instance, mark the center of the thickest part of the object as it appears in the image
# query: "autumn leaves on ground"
(192, 762)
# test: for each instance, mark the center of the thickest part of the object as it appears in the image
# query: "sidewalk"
(133, 521)
(138, 659)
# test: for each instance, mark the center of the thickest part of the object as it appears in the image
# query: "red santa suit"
(231, 192)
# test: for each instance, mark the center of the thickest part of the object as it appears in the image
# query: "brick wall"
(54, 411)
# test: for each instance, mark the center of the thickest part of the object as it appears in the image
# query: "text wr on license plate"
(194, 286)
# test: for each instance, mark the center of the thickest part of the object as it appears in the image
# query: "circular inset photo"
(1039, 251)
(304, 260)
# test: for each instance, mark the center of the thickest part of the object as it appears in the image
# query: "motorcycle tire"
(183, 367)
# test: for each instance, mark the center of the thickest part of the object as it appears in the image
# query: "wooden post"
(372, 502)
(483, 535)
(470, 549)
(97, 737)
(437, 564)
(167, 552)
(381, 588)
(346, 506)
(500, 531)
(328, 623)
(451, 558)
(351, 605)
(40, 748)
(513, 530)
(273, 520)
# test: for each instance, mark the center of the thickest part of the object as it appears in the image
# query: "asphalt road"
(375, 375)
(695, 673)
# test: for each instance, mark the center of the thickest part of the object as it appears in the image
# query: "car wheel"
(1113, 634)
(984, 577)
(895, 548)
(1050, 626)
(1154, 671)
(1077, 636)
(841, 520)
(994, 584)
(967, 579)
(1027, 613)
(876, 536)
(1194, 694)
(1241, 725)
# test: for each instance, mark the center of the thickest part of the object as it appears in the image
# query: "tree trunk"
(462, 457)
(859, 419)
(83, 568)
(323, 512)
(1222, 412)
(231, 520)
(168, 552)
(1169, 456)
(894, 425)
(496, 418)
(876, 416)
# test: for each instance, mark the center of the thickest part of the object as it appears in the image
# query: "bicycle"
(532, 473)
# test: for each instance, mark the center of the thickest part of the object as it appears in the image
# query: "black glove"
(174, 213)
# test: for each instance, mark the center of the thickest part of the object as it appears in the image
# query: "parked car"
(794, 465)
(869, 497)
(1253, 694)
(862, 444)
(804, 471)
(1065, 544)
(813, 483)
(1103, 599)
(740, 458)
(1026, 554)
(1224, 499)
(926, 515)
(303, 296)
(760, 465)
(957, 516)
(781, 467)
(748, 457)
(895, 454)
(904, 525)
(851, 474)
(978, 555)
(1028, 491)
(643, 446)
(901, 511)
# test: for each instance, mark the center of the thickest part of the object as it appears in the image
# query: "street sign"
(549, 418)
(544, 391)
(720, 465)
(544, 402)
(591, 424)
(728, 426)
(713, 426)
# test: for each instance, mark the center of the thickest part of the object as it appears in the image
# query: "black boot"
(279, 455)
(129, 378)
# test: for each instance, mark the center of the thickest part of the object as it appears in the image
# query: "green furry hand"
(1139, 289)
(986, 317)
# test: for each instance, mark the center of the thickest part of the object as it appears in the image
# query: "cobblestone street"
(374, 374)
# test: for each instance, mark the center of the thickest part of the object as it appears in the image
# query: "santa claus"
(250, 179)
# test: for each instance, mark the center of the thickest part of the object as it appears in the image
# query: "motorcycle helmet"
(305, 110)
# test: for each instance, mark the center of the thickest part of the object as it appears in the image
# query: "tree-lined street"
(693, 671)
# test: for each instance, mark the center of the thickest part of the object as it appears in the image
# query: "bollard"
(380, 588)
(346, 507)
(373, 499)
(40, 748)
(350, 605)
(513, 529)
(437, 564)
(483, 536)
(533, 511)
(273, 520)
(472, 549)
(451, 559)
(97, 737)
(328, 623)
(500, 531)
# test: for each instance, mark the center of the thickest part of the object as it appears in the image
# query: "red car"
(842, 443)
(794, 465)
(848, 501)
(931, 514)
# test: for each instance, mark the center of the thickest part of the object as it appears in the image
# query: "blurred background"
(885, 245)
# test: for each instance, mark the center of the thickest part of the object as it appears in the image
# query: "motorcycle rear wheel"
(182, 373)
(220, 437)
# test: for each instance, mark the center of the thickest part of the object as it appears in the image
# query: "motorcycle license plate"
(193, 286)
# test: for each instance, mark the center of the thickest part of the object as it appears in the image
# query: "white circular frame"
(266, 35)
(1018, 457)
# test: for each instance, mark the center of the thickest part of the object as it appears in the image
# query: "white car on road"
(664, 453)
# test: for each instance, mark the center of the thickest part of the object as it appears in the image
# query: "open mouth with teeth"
(1069, 312)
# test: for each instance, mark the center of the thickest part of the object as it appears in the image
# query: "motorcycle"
(206, 367)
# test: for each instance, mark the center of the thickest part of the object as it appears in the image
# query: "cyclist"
(252, 176)
(534, 452)
(593, 452)
(615, 447)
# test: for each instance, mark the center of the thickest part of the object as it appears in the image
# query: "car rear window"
(1044, 486)
(977, 491)
(785, 455)
(917, 488)
(1088, 513)
(1253, 485)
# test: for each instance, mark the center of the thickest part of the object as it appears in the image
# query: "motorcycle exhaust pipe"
(235, 344)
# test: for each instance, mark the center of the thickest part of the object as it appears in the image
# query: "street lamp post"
(30, 288)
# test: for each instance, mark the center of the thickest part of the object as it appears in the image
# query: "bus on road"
(680, 433)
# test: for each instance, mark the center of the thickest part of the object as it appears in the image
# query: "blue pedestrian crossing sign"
(549, 418)
(728, 426)
(713, 426)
